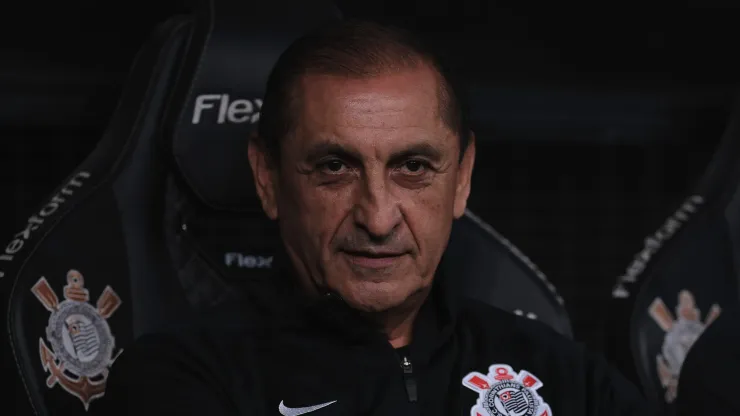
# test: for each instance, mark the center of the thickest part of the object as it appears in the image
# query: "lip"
(373, 260)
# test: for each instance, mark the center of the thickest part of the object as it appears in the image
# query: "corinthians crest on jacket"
(504, 392)
(681, 333)
(81, 342)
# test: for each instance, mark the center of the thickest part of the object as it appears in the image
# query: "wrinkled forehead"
(412, 92)
(379, 113)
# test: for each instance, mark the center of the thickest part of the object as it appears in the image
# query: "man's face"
(367, 186)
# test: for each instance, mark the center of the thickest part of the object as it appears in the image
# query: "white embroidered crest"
(81, 341)
(504, 392)
(681, 333)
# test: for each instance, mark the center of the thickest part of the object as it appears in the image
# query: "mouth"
(373, 259)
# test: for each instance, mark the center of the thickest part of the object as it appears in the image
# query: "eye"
(332, 166)
(414, 167)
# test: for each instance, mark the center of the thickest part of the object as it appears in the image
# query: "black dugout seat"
(687, 274)
(161, 221)
(491, 269)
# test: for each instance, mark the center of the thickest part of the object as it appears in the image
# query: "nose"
(376, 210)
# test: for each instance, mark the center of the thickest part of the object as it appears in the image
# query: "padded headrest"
(216, 103)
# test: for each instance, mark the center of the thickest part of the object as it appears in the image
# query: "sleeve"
(611, 394)
(159, 376)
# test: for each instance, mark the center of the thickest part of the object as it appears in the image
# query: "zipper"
(408, 378)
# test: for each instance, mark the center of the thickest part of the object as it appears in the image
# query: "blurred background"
(593, 121)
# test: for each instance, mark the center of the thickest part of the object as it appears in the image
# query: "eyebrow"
(425, 150)
(321, 150)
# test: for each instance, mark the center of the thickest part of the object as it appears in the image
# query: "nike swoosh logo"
(295, 411)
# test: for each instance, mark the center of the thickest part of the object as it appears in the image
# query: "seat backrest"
(492, 270)
(161, 220)
(690, 273)
(112, 254)
(68, 271)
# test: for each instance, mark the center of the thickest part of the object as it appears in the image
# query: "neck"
(399, 330)
(398, 323)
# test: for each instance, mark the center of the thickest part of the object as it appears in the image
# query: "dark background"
(592, 122)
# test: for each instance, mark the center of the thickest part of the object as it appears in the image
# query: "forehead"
(397, 105)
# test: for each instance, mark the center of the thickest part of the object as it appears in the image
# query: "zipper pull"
(408, 376)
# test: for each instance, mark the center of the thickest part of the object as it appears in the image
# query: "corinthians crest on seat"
(681, 334)
(81, 342)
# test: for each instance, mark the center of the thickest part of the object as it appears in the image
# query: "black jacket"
(279, 350)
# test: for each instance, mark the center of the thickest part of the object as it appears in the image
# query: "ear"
(265, 174)
(464, 177)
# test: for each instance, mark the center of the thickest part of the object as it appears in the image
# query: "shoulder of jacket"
(221, 324)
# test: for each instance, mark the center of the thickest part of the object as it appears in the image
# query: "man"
(364, 159)
(709, 375)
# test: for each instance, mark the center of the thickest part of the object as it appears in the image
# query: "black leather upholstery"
(694, 275)
(491, 269)
(213, 114)
(94, 224)
(161, 220)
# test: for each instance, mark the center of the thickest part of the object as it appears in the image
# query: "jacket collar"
(433, 326)
(436, 320)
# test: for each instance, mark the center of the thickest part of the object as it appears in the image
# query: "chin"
(368, 296)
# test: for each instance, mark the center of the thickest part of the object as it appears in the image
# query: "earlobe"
(464, 177)
(264, 182)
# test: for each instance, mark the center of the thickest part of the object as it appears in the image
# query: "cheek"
(429, 215)
(319, 212)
